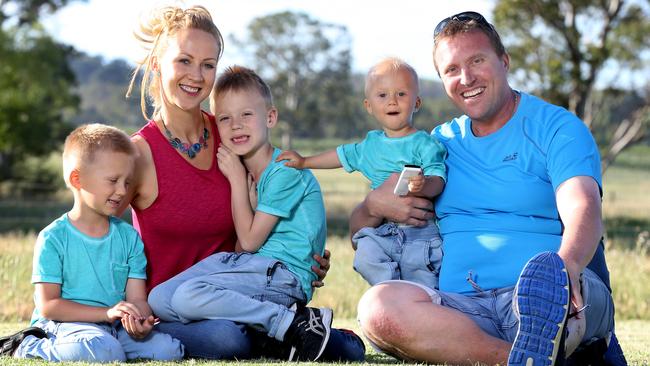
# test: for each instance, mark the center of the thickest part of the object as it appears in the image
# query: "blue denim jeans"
(399, 252)
(97, 342)
(241, 287)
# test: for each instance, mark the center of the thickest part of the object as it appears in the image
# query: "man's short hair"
(457, 26)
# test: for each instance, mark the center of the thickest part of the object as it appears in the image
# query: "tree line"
(46, 88)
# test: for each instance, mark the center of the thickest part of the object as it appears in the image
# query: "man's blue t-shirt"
(294, 196)
(498, 208)
(91, 271)
(378, 156)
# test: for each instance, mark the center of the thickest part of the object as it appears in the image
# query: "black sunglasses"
(465, 16)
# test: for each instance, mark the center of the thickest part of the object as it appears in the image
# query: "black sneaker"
(308, 333)
(9, 344)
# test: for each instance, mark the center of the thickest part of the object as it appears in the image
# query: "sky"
(379, 28)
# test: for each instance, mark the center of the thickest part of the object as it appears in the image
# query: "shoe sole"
(543, 300)
(326, 316)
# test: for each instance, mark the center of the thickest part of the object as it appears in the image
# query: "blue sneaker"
(542, 299)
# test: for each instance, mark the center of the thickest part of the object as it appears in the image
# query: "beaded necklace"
(187, 148)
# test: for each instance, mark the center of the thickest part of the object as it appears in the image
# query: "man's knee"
(381, 315)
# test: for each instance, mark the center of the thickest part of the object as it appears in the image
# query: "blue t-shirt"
(91, 271)
(498, 208)
(378, 156)
(294, 196)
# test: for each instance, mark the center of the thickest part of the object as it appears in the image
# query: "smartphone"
(402, 186)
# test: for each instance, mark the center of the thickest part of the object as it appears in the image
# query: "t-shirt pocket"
(120, 276)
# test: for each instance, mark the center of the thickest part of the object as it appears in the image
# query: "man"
(523, 179)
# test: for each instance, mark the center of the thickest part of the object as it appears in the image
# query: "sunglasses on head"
(465, 16)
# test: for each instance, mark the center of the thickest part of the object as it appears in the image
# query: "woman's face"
(188, 67)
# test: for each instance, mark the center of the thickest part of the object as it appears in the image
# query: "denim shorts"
(399, 252)
(493, 312)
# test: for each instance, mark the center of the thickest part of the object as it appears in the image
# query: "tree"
(307, 65)
(565, 45)
(36, 85)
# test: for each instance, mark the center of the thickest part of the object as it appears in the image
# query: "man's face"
(474, 76)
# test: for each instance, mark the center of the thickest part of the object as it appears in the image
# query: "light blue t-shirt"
(91, 271)
(294, 196)
(378, 156)
(498, 208)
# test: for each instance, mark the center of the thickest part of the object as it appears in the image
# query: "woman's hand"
(322, 268)
(122, 309)
(230, 165)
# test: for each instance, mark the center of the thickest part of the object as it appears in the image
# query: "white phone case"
(402, 187)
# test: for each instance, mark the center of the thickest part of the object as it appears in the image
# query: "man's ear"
(506, 61)
(74, 179)
(272, 117)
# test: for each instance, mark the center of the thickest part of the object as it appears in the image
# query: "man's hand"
(322, 268)
(293, 159)
(382, 202)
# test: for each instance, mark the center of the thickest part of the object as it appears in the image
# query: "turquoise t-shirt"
(294, 196)
(498, 208)
(378, 156)
(91, 271)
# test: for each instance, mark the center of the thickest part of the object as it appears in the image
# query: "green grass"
(633, 336)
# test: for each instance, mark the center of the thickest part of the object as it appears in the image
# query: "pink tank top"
(191, 217)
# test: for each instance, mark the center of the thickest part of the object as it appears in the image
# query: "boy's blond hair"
(86, 140)
(238, 78)
(392, 64)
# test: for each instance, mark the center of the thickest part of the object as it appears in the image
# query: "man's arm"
(382, 204)
(579, 206)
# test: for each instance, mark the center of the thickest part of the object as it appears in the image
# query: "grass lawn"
(634, 336)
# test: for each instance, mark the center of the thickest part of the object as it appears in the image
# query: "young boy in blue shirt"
(267, 283)
(391, 251)
(89, 266)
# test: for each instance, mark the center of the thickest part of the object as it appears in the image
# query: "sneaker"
(9, 344)
(308, 333)
(542, 300)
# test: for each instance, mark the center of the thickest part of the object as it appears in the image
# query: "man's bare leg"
(401, 320)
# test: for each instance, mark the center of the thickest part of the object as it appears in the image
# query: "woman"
(180, 200)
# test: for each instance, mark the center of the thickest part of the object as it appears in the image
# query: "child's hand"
(121, 309)
(138, 328)
(293, 159)
(230, 164)
(416, 183)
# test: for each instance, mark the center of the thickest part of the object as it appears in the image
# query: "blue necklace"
(187, 148)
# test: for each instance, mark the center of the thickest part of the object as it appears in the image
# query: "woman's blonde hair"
(152, 35)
